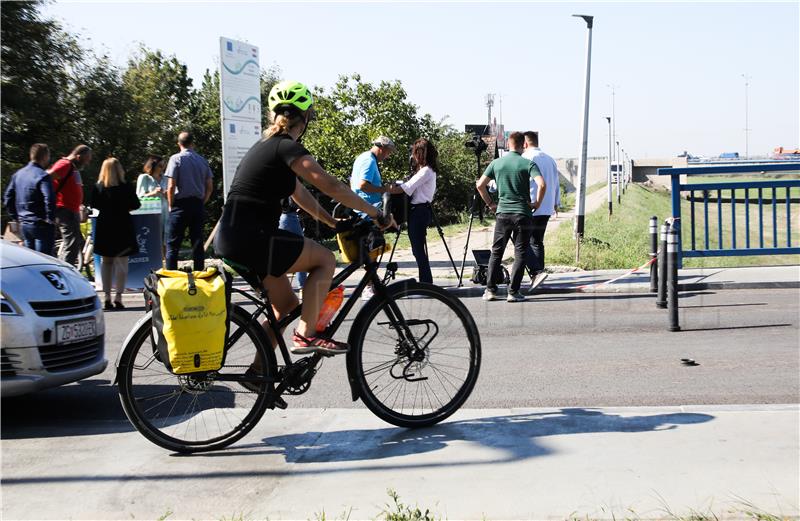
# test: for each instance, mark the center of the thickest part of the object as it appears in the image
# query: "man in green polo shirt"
(513, 174)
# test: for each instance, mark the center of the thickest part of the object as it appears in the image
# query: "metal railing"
(764, 194)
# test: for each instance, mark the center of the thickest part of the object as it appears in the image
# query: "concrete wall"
(597, 170)
(647, 169)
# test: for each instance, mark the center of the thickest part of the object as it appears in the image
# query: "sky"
(676, 67)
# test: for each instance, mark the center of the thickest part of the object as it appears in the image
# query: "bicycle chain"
(240, 392)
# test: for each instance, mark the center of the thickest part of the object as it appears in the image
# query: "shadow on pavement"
(87, 407)
(512, 438)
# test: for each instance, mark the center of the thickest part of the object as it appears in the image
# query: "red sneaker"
(317, 344)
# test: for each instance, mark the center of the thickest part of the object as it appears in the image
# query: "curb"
(477, 291)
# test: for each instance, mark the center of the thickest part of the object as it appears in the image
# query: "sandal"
(317, 344)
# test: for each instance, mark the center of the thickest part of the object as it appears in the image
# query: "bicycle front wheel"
(419, 379)
(193, 413)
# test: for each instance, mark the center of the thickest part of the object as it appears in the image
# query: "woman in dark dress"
(248, 230)
(114, 236)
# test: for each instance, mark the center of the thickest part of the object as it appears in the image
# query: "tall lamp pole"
(746, 117)
(613, 114)
(619, 176)
(609, 177)
(581, 196)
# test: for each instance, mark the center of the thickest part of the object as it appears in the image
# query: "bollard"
(654, 254)
(661, 299)
(672, 278)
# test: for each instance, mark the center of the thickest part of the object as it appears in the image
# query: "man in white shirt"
(534, 257)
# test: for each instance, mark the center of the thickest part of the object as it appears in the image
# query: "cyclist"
(248, 232)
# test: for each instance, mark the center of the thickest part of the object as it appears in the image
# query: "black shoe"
(108, 306)
(118, 305)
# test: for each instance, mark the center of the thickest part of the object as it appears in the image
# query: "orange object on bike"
(329, 308)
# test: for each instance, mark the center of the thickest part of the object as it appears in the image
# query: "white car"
(52, 323)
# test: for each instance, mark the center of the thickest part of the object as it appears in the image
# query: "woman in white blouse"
(421, 189)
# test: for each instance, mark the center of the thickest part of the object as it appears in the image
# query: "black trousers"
(186, 213)
(534, 257)
(419, 217)
(508, 225)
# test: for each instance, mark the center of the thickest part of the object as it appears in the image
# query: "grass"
(623, 242)
(780, 192)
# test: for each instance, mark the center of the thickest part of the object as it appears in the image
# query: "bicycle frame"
(264, 307)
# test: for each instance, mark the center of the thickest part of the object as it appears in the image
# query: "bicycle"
(393, 365)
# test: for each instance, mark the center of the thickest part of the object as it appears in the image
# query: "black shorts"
(270, 253)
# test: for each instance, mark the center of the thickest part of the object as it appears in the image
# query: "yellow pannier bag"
(190, 318)
(349, 245)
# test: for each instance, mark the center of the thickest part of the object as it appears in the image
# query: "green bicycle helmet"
(290, 94)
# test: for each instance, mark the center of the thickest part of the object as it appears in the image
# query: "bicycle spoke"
(194, 412)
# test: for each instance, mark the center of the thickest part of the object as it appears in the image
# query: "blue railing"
(762, 193)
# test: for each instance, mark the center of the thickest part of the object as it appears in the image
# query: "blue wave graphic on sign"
(251, 98)
(245, 64)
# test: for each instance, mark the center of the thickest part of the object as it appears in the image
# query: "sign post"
(240, 103)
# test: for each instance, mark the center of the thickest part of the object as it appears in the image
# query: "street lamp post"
(581, 196)
(746, 117)
(609, 176)
(619, 175)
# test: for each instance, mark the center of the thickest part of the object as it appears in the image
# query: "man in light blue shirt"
(366, 177)
(366, 181)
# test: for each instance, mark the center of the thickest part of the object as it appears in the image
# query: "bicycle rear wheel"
(193, 413)
(408, 386)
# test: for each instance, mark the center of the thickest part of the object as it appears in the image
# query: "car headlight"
(7, 306)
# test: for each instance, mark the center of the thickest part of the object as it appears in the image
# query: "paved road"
(536, 440)
(551, 351)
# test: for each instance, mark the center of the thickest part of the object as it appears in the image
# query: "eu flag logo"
(229, 46)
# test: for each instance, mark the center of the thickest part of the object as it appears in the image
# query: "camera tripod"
(441, 235)
(476, 204)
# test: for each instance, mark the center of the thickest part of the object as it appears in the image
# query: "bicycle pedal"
(279, 403)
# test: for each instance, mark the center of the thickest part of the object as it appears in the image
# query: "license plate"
(75, 330)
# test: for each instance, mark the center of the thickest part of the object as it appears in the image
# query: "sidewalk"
(544, 463)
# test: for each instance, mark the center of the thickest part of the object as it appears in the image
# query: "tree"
(38, 58)
(104, 117)
(355, 112)
(161, 91)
